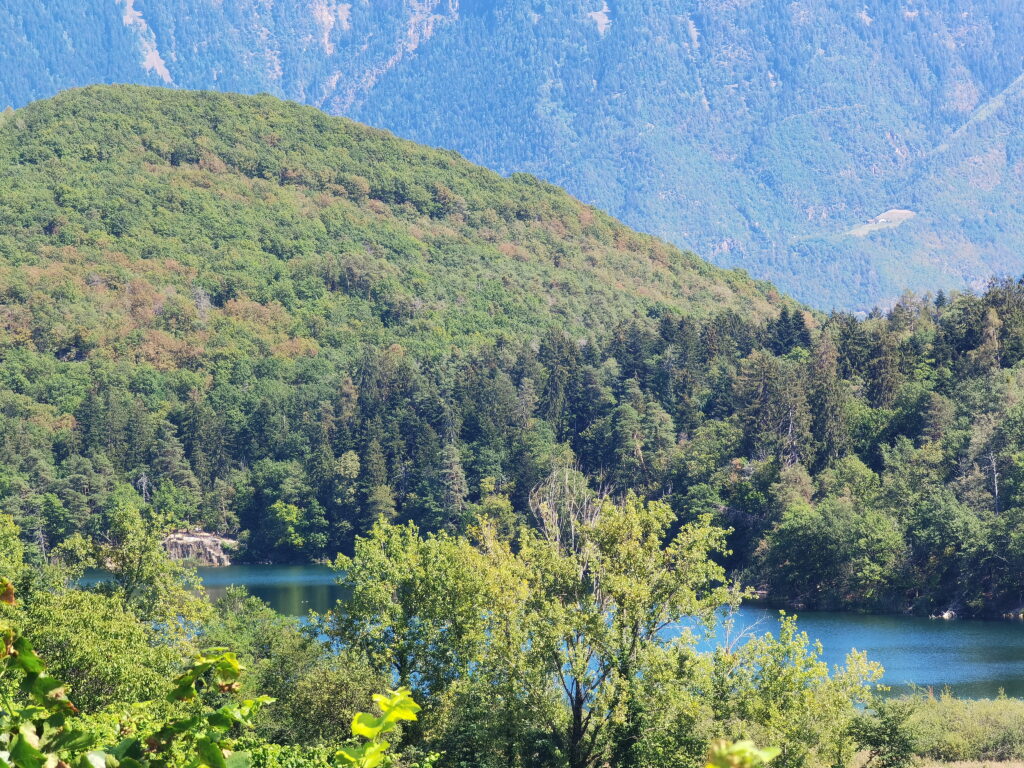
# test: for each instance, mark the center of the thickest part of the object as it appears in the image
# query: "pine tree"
(885, 379)
(828, 402)
(526, 403)
(560, 357)
(627, 446)
(986, 356)
(453, 478)
(799, 333)
(169, 462)
(780, 333)
(374, 465)
(853, 345)
(380, 503)
(202, 437)
(774, 409)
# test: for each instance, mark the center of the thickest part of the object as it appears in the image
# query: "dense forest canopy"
(271, 323)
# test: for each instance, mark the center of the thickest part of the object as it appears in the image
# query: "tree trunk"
(577, 753)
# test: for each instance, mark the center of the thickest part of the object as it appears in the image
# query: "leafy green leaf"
(239, 760)
(210, 753)
(24, 755)
(366, 725)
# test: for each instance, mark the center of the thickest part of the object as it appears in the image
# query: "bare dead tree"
(563, 506)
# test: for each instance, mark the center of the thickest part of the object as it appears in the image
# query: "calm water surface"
(294, 590)
(974, 658)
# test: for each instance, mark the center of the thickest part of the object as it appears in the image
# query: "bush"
(952, 729)
(886, 734)
(80, 632)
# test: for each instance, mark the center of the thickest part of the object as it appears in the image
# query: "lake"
(294, 590)
(974, 658)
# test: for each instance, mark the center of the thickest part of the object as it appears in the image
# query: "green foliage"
(40, 730)
(886, 734)
(541, 647)
(206, 733)
(264, 322)
(414, 605)
(394, 708)
(12, 550)
(244, 316)
(776, 689)
(141, 575)
(34, 733)
(79, 633)
(549, 648)
(949, 729)
(740, 754)
(317, 692)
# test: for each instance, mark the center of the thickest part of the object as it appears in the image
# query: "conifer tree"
(169, 462)
(827, 401)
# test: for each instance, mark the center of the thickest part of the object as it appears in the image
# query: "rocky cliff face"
(199, 547)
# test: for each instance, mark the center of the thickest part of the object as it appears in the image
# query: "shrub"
(886, 734)
(949, 729)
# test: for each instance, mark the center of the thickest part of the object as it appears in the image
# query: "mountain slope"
(759, 134)
(162, 214)
(265, 320)
(243, 315)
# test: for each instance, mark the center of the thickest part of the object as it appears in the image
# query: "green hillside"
(246, 316)
(175, 226)
(227, 296)
(757, 134)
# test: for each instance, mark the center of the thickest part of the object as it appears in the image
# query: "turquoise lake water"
(973, 658)
(291, 589)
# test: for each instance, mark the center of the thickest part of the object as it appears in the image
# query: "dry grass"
(888, 220)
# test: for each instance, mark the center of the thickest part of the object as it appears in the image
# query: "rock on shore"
(199, 547)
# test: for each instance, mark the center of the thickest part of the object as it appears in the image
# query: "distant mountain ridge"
(759, 134)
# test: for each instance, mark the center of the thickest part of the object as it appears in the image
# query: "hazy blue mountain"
(773, 135)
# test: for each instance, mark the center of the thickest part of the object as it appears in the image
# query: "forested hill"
(244, 315)
(775, 136)
(201, 289)
(307, 230)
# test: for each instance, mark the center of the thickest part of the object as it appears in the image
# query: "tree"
(80, 633)
(284, 530)
(415, 609)
(986, 356)
(559, 355)
(41, 729)
(774, 411)
(886, 734)
(317, 692)
(780, 689)
(827, 401)
(559, 625)
(610, 590)
(169, 462)
(143, 578)
(834, 550)
(453, 480)
(885, 375)
(12, 550)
